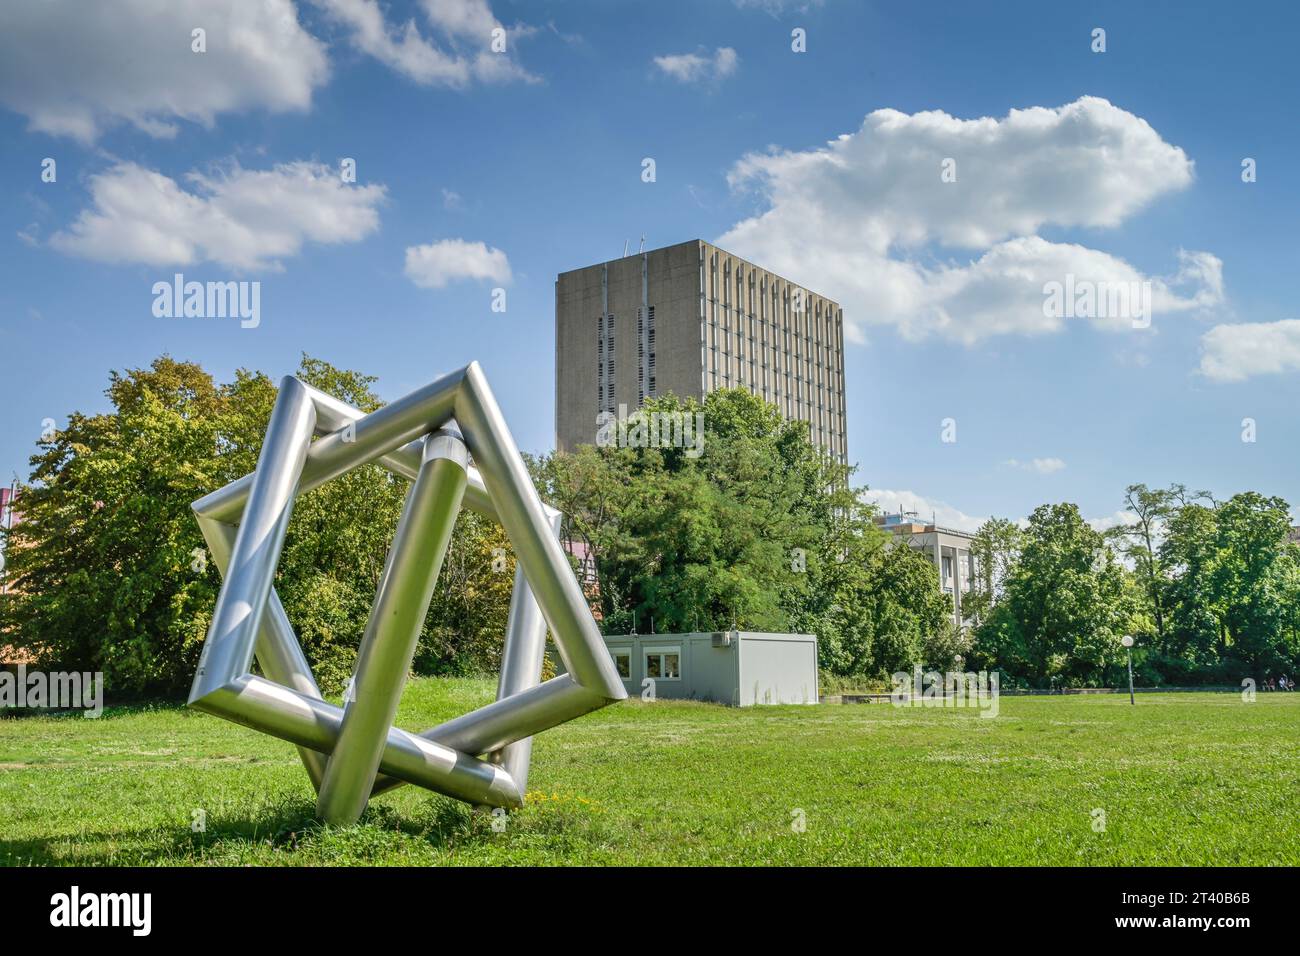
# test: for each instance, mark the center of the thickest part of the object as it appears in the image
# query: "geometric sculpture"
(353, 752)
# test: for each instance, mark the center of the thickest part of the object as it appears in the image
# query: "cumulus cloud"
(699, 66)
(1118, 519)
(864, 218)
(241, 218)
(927, 509)
(75, 68)
(1041, 466)
(1233, 353)
(455, 51)
(434, 265)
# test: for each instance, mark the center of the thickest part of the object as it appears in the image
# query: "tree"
(1231, 590)
(1193, 642)
(1065, 605)
(1140, 542)
(995, 548)
(108, 564)
(694, 543)
(760, 531)
(1253, 583)
(466, 624)
(111, 572)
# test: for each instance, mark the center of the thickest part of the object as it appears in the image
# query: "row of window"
(817, 372)
(787, 301)
(645, 342)
(606, 365)
(813, 330)
(661, 663)
(816, 334)
(825, 412)
(606, 359)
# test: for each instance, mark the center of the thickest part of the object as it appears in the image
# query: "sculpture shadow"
(284, 828)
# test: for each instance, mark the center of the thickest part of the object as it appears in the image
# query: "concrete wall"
(671, 285)
(720, 322)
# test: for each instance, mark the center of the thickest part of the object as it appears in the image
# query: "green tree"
(1253, 583)
(759, 531)
(466, 624)
(110, 571)
(108, 564)
(1194, 638)
(996, 549)
(1065, 606)
(1140, 542)
(1232, 590)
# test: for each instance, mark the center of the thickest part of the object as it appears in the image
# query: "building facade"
(737, 668)
(948, 548)
(688, 319)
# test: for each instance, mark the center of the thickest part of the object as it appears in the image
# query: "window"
(663, 663)
(600, 363)
(622, 663)
(650, 336)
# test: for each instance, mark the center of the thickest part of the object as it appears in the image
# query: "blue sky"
(1133, 158)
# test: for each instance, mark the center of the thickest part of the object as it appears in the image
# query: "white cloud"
(1041, 466)
(695, 67)
(927, 509)
(1233, 353)
(1118, 519)
(75, 68)
(241, 218)
(434, 265)
(460, 55)
(864, 218)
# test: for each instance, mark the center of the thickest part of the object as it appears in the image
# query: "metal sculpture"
(353, 752)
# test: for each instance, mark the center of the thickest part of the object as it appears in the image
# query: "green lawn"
(1181, 778)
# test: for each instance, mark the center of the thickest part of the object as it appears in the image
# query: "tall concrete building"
(689, 319)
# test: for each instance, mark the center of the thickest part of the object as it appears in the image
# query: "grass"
(1182, 779)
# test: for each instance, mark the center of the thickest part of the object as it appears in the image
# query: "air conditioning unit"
(721, 638)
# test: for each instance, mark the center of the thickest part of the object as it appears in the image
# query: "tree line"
(1209, 589)
(760, 531)
(108, 570)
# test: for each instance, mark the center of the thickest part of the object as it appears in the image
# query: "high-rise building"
(689, 319)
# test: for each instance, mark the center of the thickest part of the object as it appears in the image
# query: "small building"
(738, 668)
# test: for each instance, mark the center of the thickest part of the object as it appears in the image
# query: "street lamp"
(1127, 641)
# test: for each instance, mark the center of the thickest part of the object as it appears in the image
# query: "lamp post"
(1127, 641)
